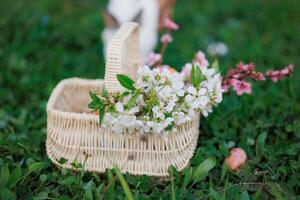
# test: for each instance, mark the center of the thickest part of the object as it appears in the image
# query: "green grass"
(42, 42)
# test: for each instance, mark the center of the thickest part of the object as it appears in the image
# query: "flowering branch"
(237, 78)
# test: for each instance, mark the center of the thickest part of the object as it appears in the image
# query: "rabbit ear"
(138, 17)
(110, 21)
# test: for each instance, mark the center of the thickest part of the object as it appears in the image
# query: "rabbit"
(144, 12)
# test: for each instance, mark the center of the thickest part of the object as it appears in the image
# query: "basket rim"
(57, 91)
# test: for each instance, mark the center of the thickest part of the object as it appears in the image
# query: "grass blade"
(124, 184)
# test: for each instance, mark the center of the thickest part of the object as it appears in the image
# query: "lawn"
(42, 42)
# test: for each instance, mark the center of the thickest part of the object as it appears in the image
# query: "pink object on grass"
(236, 159)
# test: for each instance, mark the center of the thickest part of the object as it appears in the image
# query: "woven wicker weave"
(73, 132)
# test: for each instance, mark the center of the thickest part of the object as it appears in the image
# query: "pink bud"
(236, 159)
(166, 38)
(290, 68)
(200, 57)
(153, 58)
(186, 71)
(171, 25)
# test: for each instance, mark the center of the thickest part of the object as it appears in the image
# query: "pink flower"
(236, 159)
(233, 82)
(258, 76)
(166, 38)
(274, 75)
(284, 72)
(153, 58)
(200, 57)
(186, 71)
(241, 87)
(225, 87)
(171, 25)
(287, 70)
(245, 67)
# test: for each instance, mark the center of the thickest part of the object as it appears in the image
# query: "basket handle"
(123, 56)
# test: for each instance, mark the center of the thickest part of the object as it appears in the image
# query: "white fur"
(126, 10)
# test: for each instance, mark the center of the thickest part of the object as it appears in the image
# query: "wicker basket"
(73, 132)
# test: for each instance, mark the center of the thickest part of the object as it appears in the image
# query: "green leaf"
(37, 166)
(96, 102)
(275, 191)
(7, 194)
(15, 177)
(202, 170)
(260, 145)
(94, 96)
(215, 65)
(98, 191)
(215, 194)
(62, 160)
(244, 196)
(125, 81)
(187, 176)
(224, 171)
(101, 115)
(88, 195)
(104, 93)
(196, 75)
(258, 194)
(124, 184)
(34, 167)
(43, 177)
(171, 172)
(199, 76)
(95, 105)
(132, 100)
(193, 75)
(110, 186)
(4, 175)
(67, 181)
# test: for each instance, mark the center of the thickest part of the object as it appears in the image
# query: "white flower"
(170, 106)
(180, 117)
(133, 110)
(158, 112)
(119, 107)
(197, 99)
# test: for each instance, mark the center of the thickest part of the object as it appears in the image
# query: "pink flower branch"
(236, 78)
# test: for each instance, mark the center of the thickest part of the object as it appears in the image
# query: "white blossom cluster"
(165, 101)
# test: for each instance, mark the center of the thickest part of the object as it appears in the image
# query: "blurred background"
(43, 42)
